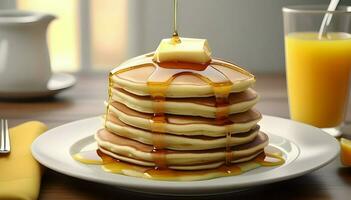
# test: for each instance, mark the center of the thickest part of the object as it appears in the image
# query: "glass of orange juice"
(318, 65)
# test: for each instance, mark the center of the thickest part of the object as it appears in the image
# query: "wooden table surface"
(86, 100)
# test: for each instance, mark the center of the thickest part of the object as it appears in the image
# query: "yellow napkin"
(20, 174)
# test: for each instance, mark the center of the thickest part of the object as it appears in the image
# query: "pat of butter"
(188, 50)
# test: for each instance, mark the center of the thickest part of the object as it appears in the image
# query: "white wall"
(7, 4)
(247, 32)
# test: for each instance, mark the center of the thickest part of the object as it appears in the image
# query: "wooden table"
(86, 100)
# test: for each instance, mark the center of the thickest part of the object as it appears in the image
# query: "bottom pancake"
(178, 167)
(141, 154)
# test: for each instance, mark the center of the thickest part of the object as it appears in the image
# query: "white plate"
(305, 148)
(57, 83)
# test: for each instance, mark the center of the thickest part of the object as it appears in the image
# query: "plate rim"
(175, 186)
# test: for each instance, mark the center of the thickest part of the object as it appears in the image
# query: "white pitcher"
(24, 56)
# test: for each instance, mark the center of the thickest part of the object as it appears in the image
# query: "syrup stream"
(175, 36)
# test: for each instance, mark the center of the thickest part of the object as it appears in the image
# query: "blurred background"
(93, 36)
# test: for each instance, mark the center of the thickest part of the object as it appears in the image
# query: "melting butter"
(189, 50)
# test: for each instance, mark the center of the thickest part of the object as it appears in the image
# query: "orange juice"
(318, 72)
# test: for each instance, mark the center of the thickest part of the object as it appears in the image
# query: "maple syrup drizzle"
(157, 123)
(271, 157)
(165, 73)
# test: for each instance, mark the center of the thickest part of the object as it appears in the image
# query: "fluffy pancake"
(204, 107)
(187, 85)
(188, 125)
(141, 154)
(177, 142)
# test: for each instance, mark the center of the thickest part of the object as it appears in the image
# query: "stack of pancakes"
(192, 138)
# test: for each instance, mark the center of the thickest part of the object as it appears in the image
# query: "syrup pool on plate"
(271, 157)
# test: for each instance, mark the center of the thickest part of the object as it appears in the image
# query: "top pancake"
(134, 74)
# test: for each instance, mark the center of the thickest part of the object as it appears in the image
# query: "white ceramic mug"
(24, 56)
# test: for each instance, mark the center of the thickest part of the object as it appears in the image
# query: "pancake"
(188, 125)
(136, 151)
(187, 85)
(205, 107)
(176, 142)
